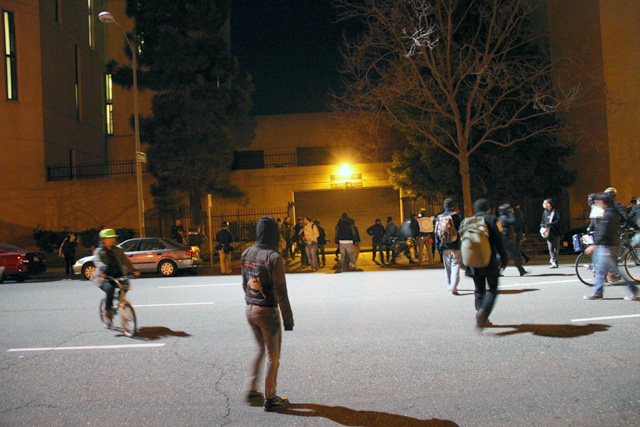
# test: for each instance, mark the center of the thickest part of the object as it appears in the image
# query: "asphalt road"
(385, 348)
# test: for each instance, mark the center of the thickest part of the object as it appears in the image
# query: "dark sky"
(291, 48)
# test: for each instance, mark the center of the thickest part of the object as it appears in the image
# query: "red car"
(19, 264)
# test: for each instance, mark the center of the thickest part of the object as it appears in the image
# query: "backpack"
(426, 224)
(475, 247)
(446, 229)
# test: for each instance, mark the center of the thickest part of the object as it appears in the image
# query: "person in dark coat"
(508, 222)
(390, 233)
(487, 276)
(68, 251)
(377, 232)
(520, 229)
(551, 220)
(345, 236)
(265, 288)
(224, 248)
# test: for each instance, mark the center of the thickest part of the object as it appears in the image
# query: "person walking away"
(425, 235)
(311, 242)
(224, 248)
(508, 223)
(68, 252)
(265, 294)
(604, 250)
(286, 231)
(377, 232)
(390, 232)
(484, 277)
(403, 241)
(344, 238)
(356, 245)
(520, 229)
(447, 239)
(415, 229)
(550, 225)
(110, 261)
(322, 241)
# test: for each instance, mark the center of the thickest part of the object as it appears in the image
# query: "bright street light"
(108, 18)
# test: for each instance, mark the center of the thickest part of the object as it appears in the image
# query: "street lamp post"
(108, 18)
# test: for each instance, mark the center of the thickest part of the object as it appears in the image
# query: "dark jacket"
(634, 215)
(377, 232)
(497, 248)
(625, 220)
(391, 230)
(224, 239)
(508, 223)
(554, 223)
(68, 247)
(607, 228)
(263, 279)
(345, 231)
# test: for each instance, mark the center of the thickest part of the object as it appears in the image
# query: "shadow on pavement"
(351, 417)
(554, 331)
(515, 291)
(156, 332)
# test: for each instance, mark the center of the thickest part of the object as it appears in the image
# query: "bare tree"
(455, 74)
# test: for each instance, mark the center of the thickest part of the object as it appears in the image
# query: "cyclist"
(110, 260)
(624, 216)
(606, 240)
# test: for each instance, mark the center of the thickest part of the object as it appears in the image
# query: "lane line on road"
(174, 304)
(541, 283)
(628, 316)
(198, 286)
(88, 347)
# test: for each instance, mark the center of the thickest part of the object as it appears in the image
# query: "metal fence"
(90, 171)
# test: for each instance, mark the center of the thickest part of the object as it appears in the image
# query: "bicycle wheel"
(584, 269)
(632, 263)
(103, 314)
(129, 322)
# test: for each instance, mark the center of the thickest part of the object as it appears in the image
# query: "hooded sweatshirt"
(263, 279)
(448, 211)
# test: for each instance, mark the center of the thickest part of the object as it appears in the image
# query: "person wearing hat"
(110, 260)
(224, 248)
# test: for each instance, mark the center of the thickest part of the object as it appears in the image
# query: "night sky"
(291, 48)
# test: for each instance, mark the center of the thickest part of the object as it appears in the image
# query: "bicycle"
(128, 315)
(629, 257)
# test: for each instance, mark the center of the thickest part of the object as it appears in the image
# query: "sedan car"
(150, 255)
(20, 264)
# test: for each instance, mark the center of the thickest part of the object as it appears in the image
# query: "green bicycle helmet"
(108, 233)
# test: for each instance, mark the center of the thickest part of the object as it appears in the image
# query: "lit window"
(11, 66)
(90, 23)
(108, 85)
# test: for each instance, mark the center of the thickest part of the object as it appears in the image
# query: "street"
(371, 348)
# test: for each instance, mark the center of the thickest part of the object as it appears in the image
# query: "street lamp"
(108, 18)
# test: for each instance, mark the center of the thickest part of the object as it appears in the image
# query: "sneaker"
(554, 266)
(524, 272)
(481, 320)
(254, 398)
(592, 297)
(631, 298)
(276, 403)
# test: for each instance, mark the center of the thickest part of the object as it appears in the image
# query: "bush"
(47, 240)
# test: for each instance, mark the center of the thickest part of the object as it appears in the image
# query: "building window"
(11, 65)
(78, 87)
(108, 85)
(248, 160)
(90, 6)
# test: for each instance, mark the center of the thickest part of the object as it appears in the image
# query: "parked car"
(20, 264)
(566, 241)
(150, 255)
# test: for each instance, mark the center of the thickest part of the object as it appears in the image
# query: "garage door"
(364, 205)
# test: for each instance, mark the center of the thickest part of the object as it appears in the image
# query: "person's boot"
(276, 403)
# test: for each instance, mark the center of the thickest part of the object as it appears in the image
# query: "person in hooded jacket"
(390, 232)
(487, 276)
(265, 287)
(508, 223)
(450, 251)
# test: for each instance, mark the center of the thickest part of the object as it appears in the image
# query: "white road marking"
(89, 347)
(541, 283)
(199, 286)
(605, 318)
(170, 305)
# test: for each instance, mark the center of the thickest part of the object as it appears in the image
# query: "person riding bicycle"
(625, 221)
(110, 261)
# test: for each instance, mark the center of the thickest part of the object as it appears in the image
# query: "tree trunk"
(466, 184)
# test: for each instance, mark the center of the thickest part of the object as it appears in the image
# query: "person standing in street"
(344, 238)
(508, 223)
(390, 232)
(68, 252)
(265, 294)
(322, 241)
(224, 239)
(484, 277)
(606, 238)
(377, 232)
(448, 244)
(551, 222)
(520, 229)
(424, 238)
(311, 242)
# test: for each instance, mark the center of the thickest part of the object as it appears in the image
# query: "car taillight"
(190, 253)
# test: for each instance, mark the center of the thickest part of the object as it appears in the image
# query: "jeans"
(375, 247)
(312, 254)
(110, 289)
(605, 260)
(452, 260)
(347, 255)
(553, 243)
(485, 300)
(266, 327)
(513, 252)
